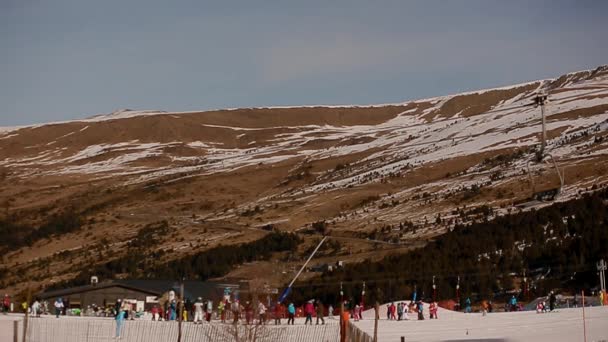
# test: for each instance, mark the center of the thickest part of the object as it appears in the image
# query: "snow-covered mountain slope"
(418, 132)
(366, 171)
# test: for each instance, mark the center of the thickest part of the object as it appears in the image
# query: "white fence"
(355, 334)
(101, 330)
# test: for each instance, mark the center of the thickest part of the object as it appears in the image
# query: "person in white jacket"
(262, 313)
(36, 308)
(58, 307)
(209, 310)
(198, 311)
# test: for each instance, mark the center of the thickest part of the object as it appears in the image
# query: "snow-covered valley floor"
(561, 325)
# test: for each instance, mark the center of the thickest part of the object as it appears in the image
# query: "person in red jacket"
(433, 310)
(154, 312)
(6, 304)
(278, 313)
(309, 310)
(393, 309)
(248, 313)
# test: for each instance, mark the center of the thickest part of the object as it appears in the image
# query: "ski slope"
(561, 325)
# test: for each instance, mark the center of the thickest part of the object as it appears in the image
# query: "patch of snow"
(8, 136)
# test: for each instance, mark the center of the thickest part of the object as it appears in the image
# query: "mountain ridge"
(128, 113)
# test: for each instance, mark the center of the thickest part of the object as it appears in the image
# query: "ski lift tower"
(458, 294)
(601, 268)
(434, 290)
(541, 100)
(362, 297)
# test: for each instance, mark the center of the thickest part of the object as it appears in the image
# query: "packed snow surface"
(562, 325)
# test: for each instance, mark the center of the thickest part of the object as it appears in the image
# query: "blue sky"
(66, 59)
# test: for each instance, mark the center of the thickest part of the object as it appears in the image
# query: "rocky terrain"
(378, 179)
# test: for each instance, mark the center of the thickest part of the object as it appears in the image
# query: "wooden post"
(15, 331)
(342, 323)
(376, 318)
(180, 311)
(584, 325)
(27, 311)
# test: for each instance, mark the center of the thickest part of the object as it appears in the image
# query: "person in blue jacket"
(467, 305)
(120, 318)
(291, 311)
(513, 303)
(173, 310)
(420, 307)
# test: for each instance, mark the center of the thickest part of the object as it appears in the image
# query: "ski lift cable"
(288, 289)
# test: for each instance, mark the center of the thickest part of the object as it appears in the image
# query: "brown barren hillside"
(377, 179)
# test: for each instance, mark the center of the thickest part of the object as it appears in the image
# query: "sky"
(68, 59)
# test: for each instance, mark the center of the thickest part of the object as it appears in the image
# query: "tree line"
(556, 246)
(16, 235)
(214, 262)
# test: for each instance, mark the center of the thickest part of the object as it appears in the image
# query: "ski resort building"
(145, 292)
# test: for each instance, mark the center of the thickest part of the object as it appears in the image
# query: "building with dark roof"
(144, 292)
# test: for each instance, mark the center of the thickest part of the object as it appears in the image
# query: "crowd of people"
(233, 310)
(402, 310)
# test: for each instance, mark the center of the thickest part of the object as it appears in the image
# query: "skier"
(221, 312)
(357, 313)
(361, 309)
(198, 311)
(321, 312)
(248, 313)
(278, 312)
(405, 311)
(484, 307)
(235, 307)
(540, 308)
(388, 312)
(6, 303)
(154, 312)
(291, 310)
(433, 310)
(309, 310)
(120, 317)
(467, 305)
(209, 310)
(420, 308)
(513, 303)
(36, 308)
(261, 313)
(131, 308)
(552, 300)
(58, 307)
(173, 310)
(330, 312)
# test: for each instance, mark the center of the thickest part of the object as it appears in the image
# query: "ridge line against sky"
(70, 59)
